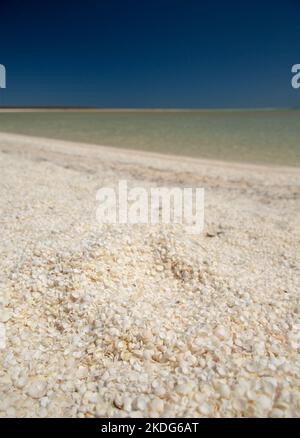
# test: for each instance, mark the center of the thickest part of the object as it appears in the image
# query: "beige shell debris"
(37, 388)
(138, 320)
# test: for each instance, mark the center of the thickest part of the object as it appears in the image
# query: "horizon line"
(133, 109)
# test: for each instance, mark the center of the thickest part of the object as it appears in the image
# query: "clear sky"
(148, 53)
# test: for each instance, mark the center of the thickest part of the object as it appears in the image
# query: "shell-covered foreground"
(139, 320)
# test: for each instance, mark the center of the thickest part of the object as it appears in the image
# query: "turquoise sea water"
(252, 136)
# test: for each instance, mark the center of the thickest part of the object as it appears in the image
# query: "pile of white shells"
(146, 321)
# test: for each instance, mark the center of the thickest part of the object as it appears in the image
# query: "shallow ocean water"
(265, 136)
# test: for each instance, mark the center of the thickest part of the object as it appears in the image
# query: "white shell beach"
(137, 320)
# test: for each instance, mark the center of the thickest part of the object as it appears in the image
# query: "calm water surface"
(255, 136)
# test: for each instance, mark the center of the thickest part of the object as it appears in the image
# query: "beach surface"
(141, 320)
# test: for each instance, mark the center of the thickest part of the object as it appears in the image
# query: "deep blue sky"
(148, 53)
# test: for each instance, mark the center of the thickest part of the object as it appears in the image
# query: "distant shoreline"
(118, 110)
